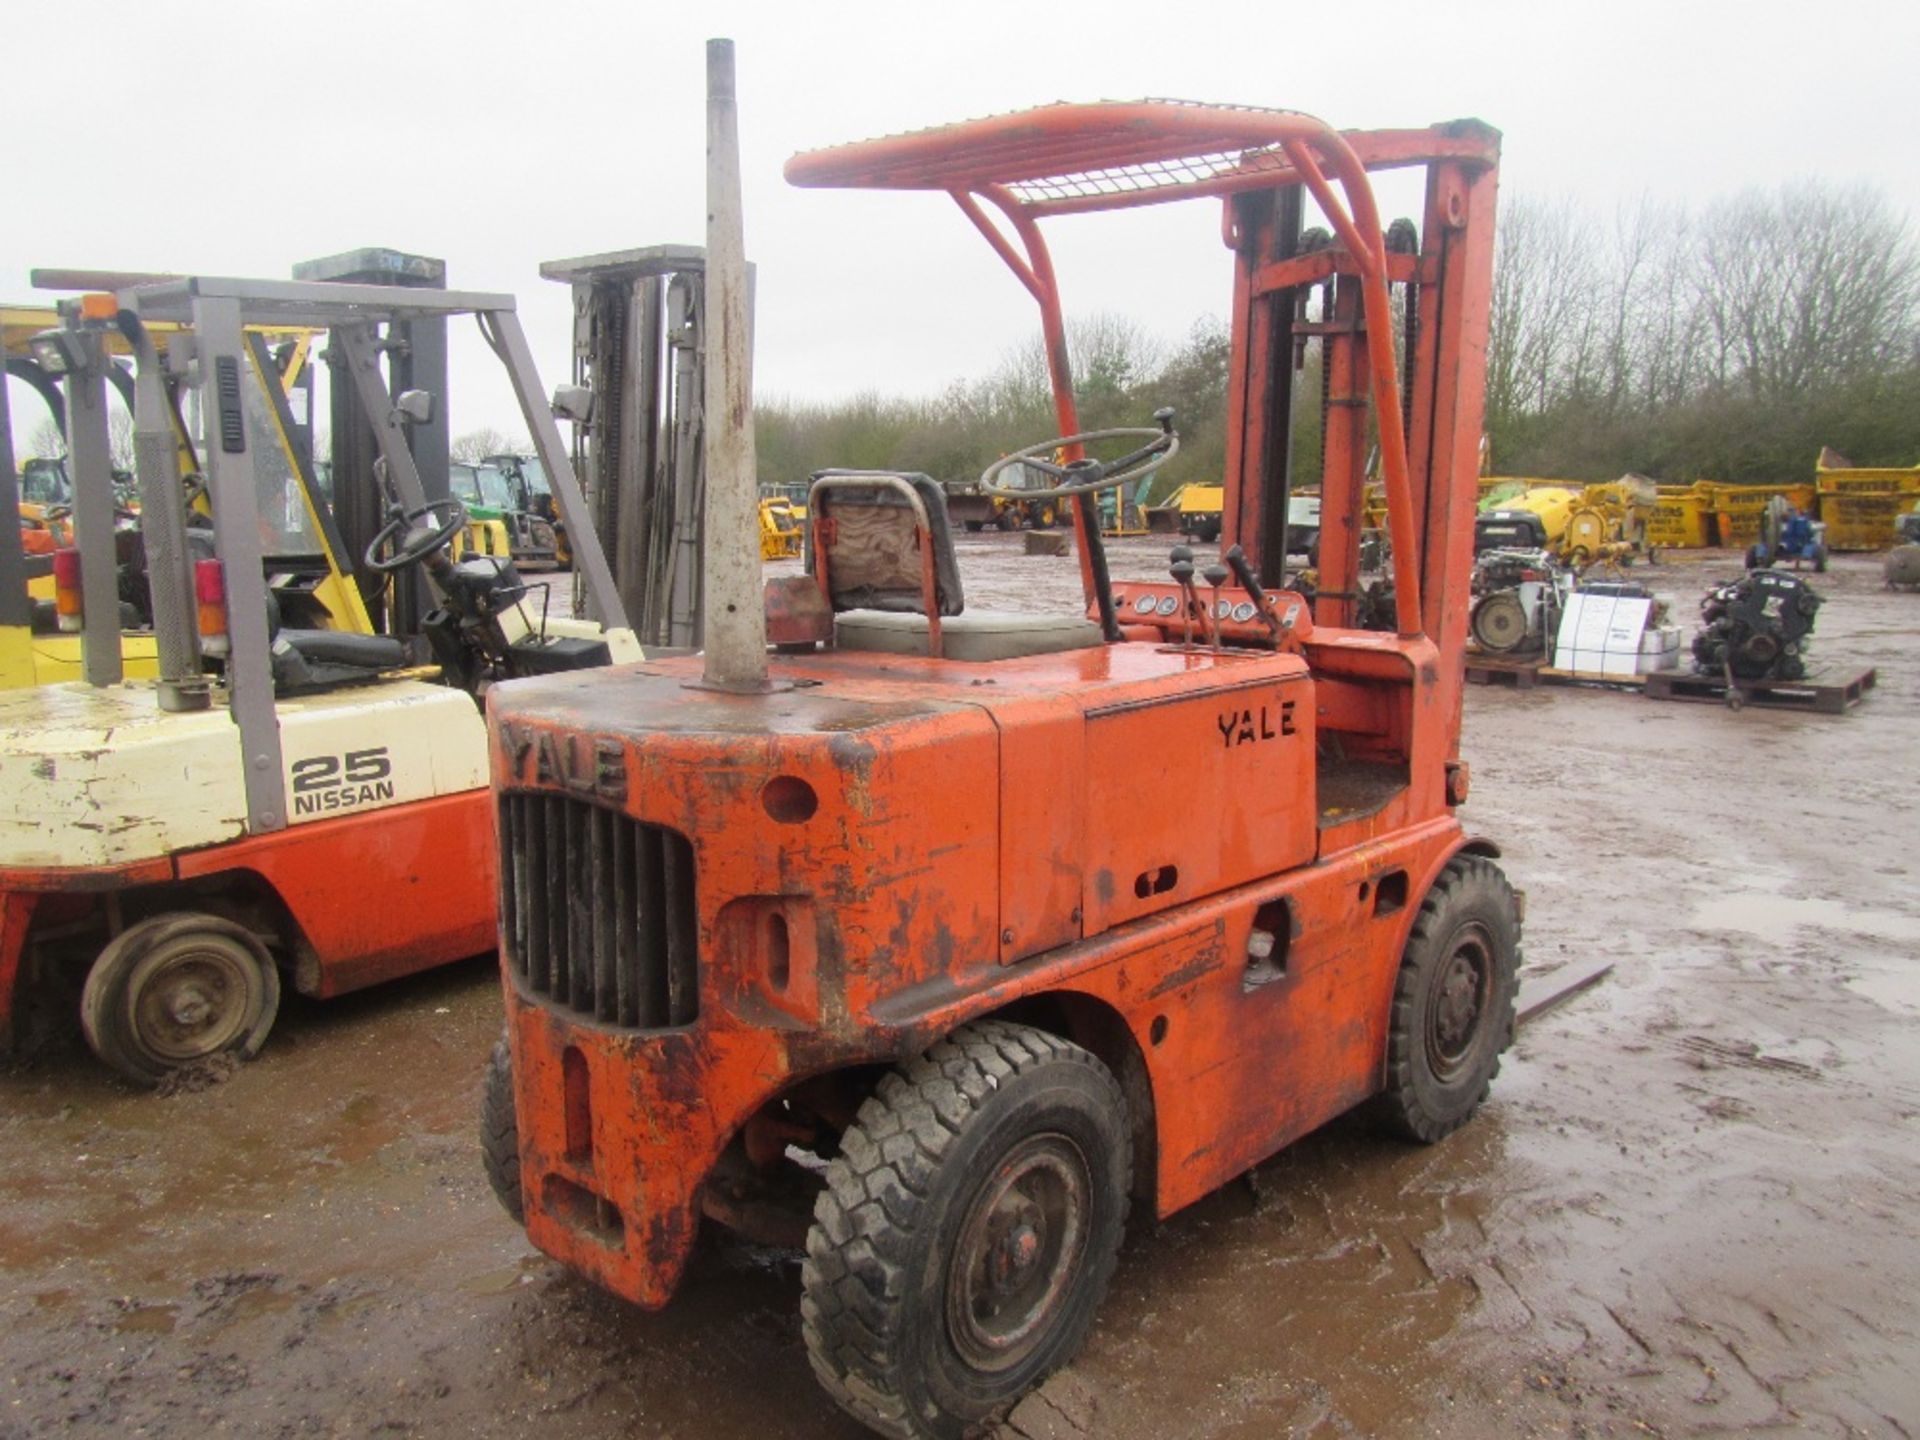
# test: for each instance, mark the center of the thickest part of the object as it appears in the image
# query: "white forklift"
(281, 804)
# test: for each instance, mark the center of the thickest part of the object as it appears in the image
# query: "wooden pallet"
(1817, 695)
(1525, 674)
(1493, 670)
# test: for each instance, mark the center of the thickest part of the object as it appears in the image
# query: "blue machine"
(1788, 534)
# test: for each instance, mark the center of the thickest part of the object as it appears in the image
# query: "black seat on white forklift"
(885, 542)
(308, 660)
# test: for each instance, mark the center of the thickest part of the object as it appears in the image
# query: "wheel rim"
(1019, 1249)
(193, 999)
(1461, 995)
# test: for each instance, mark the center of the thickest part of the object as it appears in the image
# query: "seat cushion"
(346, 647)
(971, 635)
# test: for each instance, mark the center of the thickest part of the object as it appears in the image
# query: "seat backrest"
(879, 540)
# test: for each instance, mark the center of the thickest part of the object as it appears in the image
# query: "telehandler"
(887, 944)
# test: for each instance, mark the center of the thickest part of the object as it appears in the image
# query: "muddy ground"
(1688, 1209)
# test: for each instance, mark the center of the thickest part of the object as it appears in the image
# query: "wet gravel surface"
(1687, 1210)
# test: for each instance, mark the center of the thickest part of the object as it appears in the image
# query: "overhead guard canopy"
(1112, 154)
(1060, 159)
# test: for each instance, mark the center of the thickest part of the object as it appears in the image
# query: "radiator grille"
(598, 910)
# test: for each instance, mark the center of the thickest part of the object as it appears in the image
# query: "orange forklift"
(771, 962)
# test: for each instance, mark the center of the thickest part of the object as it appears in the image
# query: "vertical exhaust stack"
(736, 637)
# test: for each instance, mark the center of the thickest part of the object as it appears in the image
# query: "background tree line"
(1727, 342)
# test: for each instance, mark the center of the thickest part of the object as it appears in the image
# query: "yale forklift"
(286, 799)
(770, 962)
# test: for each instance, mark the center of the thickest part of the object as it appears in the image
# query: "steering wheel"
(1083, 477)
(428, 529)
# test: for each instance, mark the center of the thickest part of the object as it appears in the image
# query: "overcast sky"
(237, 138)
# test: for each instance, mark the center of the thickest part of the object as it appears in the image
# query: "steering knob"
(1182, 572)
(1215, 575)
(1163, 417)
(1178, 554)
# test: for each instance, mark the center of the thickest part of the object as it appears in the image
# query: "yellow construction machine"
(1579, 525)
(781, 524)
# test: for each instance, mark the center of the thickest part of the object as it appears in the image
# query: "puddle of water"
(507, 1277)
(1897, 990)
(1773, 916)
(145, 1320)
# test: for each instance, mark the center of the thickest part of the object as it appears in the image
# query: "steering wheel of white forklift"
(1083, 477)
(427, 529)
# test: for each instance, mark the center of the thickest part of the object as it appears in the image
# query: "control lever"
(1215, 576)
(1243, 572)
(1181, 568)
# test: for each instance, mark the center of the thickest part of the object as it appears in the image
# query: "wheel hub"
(1012, 1259)
(194, 1002)
(188, 1005)
(1018, 1251)
(1460, 998)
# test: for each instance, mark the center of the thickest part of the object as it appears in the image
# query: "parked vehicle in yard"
(532, 492)
(943, 937)
(293, 800)
(499, 521)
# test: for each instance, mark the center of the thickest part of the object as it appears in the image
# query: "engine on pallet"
(1756, 628)
(1517, 599)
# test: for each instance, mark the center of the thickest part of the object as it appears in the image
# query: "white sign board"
(1600, 634)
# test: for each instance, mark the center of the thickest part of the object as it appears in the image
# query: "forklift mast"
(639, 345)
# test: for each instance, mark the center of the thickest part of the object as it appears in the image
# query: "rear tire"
(500, 1131)
(177, 989)
(1453, 1005)
(968, 1231)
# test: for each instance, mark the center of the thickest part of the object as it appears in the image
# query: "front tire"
(177, 989)
(967, 1232)
(1453, 1004)
(500, 1132)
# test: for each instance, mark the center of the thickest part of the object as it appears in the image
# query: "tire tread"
(877, 1197)
(500, 1132)
(1394, 1108)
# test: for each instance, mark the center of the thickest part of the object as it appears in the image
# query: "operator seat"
(869, 539)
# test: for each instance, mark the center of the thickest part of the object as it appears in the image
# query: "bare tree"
(120, 440)
(1545, 329)
(478, 444)
(45, 442)
(1806, 286)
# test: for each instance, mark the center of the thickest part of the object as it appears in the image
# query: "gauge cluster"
(1158, 604)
